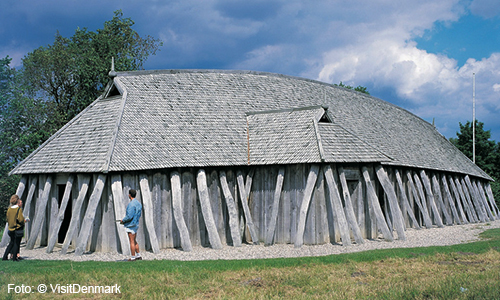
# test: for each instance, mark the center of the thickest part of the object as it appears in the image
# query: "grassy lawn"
(465, 271)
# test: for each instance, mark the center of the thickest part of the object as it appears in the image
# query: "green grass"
(465, 271)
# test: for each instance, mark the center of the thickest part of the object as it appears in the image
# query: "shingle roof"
(196, 118)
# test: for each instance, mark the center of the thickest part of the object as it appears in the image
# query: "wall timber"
(283, 204)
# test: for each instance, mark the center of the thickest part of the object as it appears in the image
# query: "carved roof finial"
(112, 73)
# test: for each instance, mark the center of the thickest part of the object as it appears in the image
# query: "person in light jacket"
(131, 223)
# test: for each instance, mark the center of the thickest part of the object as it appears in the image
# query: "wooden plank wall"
(274, 195)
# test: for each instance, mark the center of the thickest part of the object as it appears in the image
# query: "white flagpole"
(474, 117)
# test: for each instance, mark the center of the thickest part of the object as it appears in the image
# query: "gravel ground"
(449, 235)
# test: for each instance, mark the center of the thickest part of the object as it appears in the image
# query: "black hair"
(132, 193)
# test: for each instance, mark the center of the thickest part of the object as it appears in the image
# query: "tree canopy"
(359, 88)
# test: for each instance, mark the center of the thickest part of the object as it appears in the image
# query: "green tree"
(487, 151)
(359, 88)
(73, 72)
(21, 129)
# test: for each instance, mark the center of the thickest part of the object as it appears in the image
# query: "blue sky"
(419, 55)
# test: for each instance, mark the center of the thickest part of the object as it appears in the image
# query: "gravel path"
(449, 235)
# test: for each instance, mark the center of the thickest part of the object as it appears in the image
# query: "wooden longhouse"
(231, 157)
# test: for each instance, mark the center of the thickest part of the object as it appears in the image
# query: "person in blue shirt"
(131, 223)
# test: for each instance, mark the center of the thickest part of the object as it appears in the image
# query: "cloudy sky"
(420, 55)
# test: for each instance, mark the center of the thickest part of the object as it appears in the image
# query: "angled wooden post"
(457, 199)
(448, 199)
(41, 205)
(419, 192)
(349, 210)
(274, 210)
(482, 197)
(336, 206)
(83, 186)
(206, 210)
(311, 183)
(406, 203)
(374, 203)
(474, 198)
(27, 205)
(393, 201)
(175, 180)
(462, 187)
(19, 192)
(120, 212)
(60, 217)
(148, 212)
(244, 203)
(88, 220)
(417, 196)
(436, 188)
(487, 187)
(231, 207)
(430, 198)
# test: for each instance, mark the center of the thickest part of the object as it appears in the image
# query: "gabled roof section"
(283, 136)
(80, 146)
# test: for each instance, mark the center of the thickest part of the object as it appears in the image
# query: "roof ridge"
(275, 111)
(119, 116)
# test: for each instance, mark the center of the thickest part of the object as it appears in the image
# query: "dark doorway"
(67, 213)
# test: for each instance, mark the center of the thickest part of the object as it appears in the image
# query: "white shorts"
(130, 230)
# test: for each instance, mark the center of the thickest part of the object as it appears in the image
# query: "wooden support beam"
(147, 208)
(27, 204)
(311, 183)
(482, 197)
(120, 212)
(423, 202)
(374, 203)
(19, 192)
(336, 207)
(458, 201)
(41, 205)
(472, 218)
(349, 210)
(449, 200)
(487, 187)
(83, 186)
(231, 207)
(21, 186)
(244, 194)
(474, 198)
(430, 199)
(60, 216)
(175, 180)
(88, 220)
(206, 210)
(463, 187)
(393, 201)
(417, 195)
(406, 203)
(436, 188)
(274, 210)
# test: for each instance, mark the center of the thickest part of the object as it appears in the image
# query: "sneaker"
(131, 259)
(138, 258)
